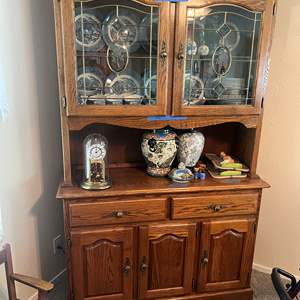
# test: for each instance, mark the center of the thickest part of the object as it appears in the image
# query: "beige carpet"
(261, 283)
(263, 287)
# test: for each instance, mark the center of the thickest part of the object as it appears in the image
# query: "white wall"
(30, 155)
(278, 242)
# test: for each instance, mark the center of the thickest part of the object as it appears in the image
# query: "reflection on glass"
(116, 45)
(221, 52)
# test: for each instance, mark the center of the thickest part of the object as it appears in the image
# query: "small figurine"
(200, 167)
(226, 158)
(202, 175)
(181, 174)
(199, 170)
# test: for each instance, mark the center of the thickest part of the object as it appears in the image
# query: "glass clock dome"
(95, 157)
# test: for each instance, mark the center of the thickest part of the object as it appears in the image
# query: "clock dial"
(97, 152)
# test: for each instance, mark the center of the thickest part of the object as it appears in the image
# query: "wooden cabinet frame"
(176, 214)
(155, 249)
(75, 109)
(265, 40)
(170, 82)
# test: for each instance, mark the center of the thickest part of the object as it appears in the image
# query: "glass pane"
(221, 55)
(116, 47)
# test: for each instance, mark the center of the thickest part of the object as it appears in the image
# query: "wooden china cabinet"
(126, 66)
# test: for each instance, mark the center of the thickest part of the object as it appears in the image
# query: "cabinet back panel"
(124, 143)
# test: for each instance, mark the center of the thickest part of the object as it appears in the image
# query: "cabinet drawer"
(116, 212)
(214, 205)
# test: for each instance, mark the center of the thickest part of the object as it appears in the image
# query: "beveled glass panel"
(222, 48)
(116, 52)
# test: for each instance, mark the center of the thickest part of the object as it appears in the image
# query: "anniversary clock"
(96, 175)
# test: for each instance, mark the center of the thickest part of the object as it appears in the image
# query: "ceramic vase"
(159, 149)
(190, 147)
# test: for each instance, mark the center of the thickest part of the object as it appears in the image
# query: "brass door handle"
(180, 55)
(127, 266)
(144, 265)
(204, 259)
(163, 53)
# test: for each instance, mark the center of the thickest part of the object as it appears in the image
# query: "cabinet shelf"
(135, 181)
(210, 59)
(101, 54)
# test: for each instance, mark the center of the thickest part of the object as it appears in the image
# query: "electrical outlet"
(58, 245)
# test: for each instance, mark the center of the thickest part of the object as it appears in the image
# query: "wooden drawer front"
(94, 213)
(214, 205)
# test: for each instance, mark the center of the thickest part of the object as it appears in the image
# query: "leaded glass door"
(221, 56)
(116, 57)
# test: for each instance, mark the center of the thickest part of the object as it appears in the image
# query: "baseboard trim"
(262, 268)
(266, 270)
(54, 280)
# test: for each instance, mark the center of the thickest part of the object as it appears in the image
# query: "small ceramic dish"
(181, 174)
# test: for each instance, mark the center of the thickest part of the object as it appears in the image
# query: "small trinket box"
(181, 174)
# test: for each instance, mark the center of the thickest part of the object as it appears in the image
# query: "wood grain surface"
(134, 181)
(184, 207)
(117, 212)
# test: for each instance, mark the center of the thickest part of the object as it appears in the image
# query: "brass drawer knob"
(118, 214)
(216, 207)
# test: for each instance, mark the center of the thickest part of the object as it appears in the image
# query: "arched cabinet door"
(102, 264)
(226, 252)
(116, 57)
(221, 56)
(166, 257)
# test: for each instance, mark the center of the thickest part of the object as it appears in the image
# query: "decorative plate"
(145, 31)
(153, 80)
(123, 84)
(89, 82)
(88, 32)
(193, 90)
(122, 31)
(221, 60)
(117, 58)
